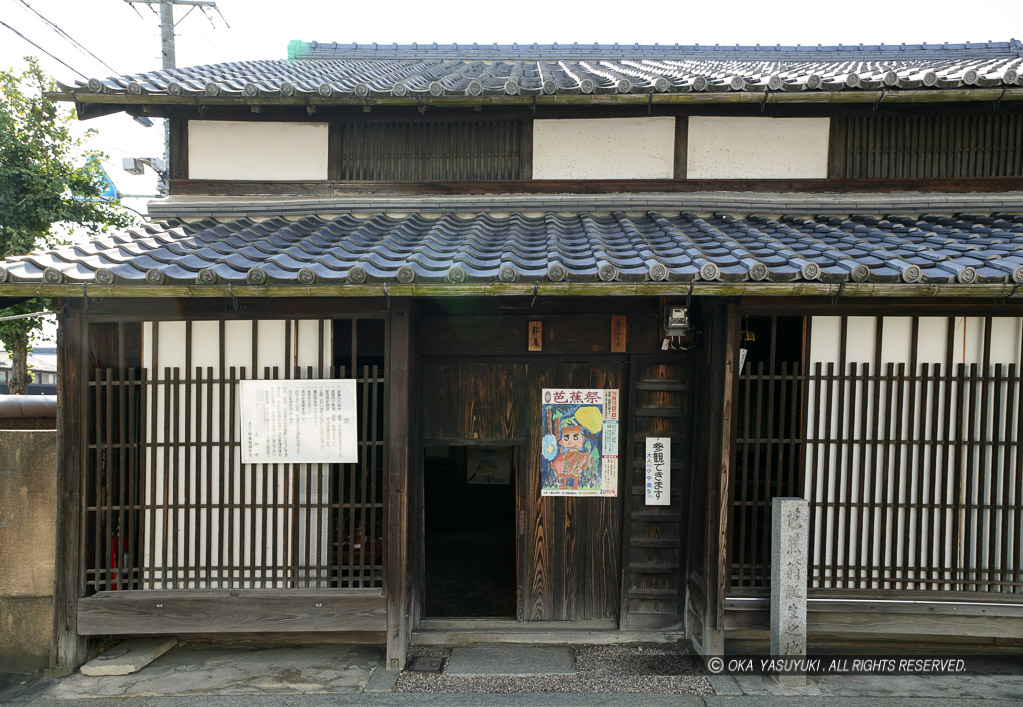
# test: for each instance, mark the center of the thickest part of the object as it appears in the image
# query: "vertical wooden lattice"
(913, 467)
(947, 146)
(431, 150)
(169, 505)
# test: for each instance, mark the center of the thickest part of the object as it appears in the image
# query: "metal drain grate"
(426, 664)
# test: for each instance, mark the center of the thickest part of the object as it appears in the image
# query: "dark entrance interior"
(470, 531)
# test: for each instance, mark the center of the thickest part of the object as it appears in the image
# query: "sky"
(127, 38)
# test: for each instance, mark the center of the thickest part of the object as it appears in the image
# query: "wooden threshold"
(906, 618)
(234, 611)
(468, 631)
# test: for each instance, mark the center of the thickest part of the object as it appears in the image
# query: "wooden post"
(728, 421)
(707, 561)
(396, 582)
(67, 648)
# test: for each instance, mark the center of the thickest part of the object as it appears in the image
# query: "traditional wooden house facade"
(800, 267)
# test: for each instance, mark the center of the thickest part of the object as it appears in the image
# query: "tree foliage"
(47, 178)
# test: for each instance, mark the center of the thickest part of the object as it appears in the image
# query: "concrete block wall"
(28, 500)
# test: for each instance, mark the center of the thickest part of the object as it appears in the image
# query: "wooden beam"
(526, 634)
(214, 187)
(872, 97)
(681, 147)
(881, 619)
(836, 147)
(335, 140)
(178, 149)
(67, 647)
(356, 113)
(235, 611)
(1001, 291)
(396, 472)
(526, 150)
(893, 602)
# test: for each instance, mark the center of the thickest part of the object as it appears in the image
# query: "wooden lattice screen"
(931, 146)
(913, 468)
(168, 504)
(430, 150)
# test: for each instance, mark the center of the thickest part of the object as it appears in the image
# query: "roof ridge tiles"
(318, 50)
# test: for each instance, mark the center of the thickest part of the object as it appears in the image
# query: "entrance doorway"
(470, 531)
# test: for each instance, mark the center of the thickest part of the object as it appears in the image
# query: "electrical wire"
(239, 9)
(44, 51)
(59, 30)
(28, 316)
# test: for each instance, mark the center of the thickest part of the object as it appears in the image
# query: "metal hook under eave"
(234, 300)
(689, 295)
(998, 101)
(763, 102)
(650, 104)
(387, 298)
(536, 287)
(834, 297)
(878, 101)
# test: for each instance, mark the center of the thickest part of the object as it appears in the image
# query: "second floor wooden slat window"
(926, 147)
(431, 150)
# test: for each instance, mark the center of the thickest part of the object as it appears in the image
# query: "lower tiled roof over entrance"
(530, 247)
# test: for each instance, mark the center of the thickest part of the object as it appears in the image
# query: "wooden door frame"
(518, 444)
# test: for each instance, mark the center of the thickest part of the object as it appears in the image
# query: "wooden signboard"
(619, 327)
(536, 336)
(298, 421)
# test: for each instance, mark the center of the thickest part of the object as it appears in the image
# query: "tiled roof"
(545, 247)
(298, 49)
(326, 71)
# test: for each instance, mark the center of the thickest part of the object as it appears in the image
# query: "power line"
(239, 9)
(43, 50)
(57, 28)
(27, 316)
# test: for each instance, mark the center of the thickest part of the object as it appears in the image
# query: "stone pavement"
(313, 675)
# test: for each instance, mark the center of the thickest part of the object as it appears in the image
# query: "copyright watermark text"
(835, 665)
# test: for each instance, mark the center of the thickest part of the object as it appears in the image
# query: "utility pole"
(170, 60)
(169, 55)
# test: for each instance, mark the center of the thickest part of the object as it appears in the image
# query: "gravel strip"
(657, 668)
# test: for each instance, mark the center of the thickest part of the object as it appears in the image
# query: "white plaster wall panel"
(271, 349)
(229, 149)
(604, 148)
(860, 339)
(757, 148)
(932, 340)
(238, 353)
(203, 482)
(896, 342)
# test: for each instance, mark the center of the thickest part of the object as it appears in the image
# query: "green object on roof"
(295, 49)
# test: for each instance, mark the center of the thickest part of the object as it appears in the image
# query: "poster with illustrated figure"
(579, 442)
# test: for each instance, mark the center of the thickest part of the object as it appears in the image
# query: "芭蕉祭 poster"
(579, 442)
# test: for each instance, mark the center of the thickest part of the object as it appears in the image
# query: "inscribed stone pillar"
(790, 532)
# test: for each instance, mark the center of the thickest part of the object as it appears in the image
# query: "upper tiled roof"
(533, 52)
(542, 248)
(334, 71)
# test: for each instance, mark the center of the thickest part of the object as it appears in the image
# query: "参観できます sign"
(579, 442)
